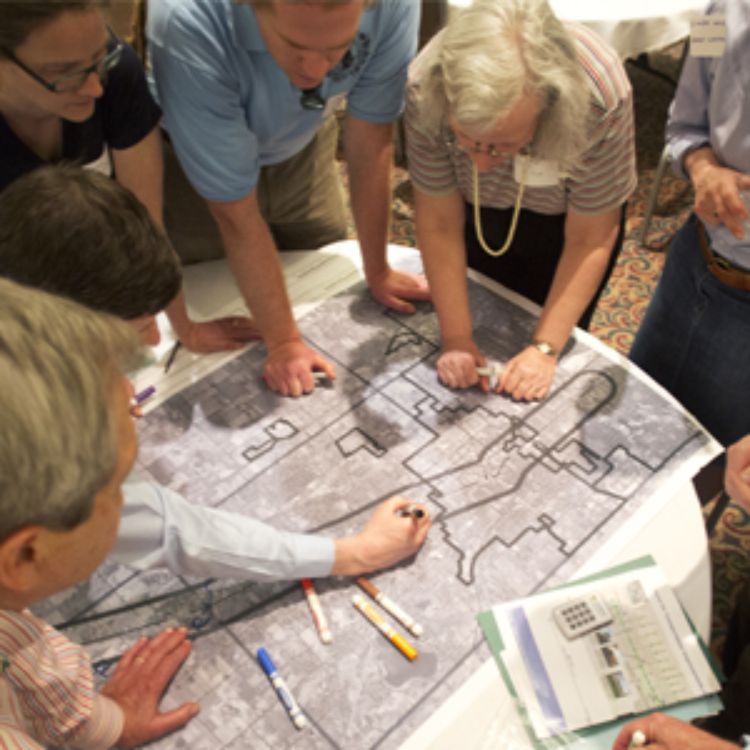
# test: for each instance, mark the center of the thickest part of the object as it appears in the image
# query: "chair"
(642, 62)
(654, 194)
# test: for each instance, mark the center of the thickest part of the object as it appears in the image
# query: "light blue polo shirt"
(228, 107)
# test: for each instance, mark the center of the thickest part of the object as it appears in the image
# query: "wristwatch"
(545, 347)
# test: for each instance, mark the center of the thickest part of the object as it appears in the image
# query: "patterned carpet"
(630, 287)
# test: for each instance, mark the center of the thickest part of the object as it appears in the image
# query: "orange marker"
(386, 629)
(317, 611)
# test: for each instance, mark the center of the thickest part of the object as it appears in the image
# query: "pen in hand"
(172, 356)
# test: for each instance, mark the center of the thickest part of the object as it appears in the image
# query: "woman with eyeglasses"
(521, 151)
(71, 90)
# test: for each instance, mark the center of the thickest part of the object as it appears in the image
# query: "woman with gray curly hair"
(521, 152)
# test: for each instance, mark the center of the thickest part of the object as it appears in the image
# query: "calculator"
(580, 616)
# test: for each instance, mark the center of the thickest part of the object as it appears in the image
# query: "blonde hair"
(58, 366)
(492, 54)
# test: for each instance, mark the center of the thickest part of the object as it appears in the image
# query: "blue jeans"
(695, 340)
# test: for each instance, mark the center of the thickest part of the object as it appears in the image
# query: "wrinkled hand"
(386, 539)
(289, 366)
(528, 376)
(667, 733)
(222, 334)
(138, 682)
(457, 365)
(392, 288)
(717, 199)
(737, 472)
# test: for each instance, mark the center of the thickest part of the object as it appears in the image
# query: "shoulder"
(604, 71)
(193, 29)
(389, 20)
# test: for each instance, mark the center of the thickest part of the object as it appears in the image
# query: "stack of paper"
(641, 655)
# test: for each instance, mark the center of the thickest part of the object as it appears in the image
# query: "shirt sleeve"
(430, 166)
(206, 122)
(129, 111)
(688, 125)
(159, 528)
(378, 95)
(607, 176)
(51, 680)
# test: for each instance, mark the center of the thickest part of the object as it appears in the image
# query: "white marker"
(390, 606)
(316, 610)
(491, 371)
(638, 739)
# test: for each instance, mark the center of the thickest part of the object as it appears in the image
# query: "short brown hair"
(76, 233)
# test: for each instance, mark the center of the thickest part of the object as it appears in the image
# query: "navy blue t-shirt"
(124, 115)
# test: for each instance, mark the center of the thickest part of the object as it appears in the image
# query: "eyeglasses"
(74, 81)
(476, 149)
(311, 99)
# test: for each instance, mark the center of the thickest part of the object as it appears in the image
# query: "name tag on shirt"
(708, 36)
(539, 172)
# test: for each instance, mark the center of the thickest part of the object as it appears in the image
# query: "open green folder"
(602, 735)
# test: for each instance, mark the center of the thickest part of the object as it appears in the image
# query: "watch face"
(545, 348)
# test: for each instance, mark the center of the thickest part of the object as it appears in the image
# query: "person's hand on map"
(289, 368)
(139, 680)
(737, 472)
(222, 334)
(389, 536)
(457, 365)
(393, 288)
(667, 733)
(528, 376)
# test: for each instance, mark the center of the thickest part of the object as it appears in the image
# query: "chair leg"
(654, 195)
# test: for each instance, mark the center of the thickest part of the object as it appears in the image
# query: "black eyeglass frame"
(101, 67)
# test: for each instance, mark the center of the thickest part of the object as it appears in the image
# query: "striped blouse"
(47, 694)
(605, 176)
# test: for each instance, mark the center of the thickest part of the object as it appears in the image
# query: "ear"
(19, 558)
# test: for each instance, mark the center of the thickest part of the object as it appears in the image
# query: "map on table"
(521, 495)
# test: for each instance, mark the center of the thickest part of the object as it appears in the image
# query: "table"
(479, 706)
(632, 27)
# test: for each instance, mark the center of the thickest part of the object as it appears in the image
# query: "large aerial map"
(521, 495)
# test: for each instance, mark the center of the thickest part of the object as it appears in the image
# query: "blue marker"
(294, 711)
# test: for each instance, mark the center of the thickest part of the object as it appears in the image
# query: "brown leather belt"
(721, 268)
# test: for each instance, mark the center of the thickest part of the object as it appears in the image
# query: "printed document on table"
(648, 657)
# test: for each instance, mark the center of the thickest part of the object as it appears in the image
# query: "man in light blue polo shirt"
(248, 91)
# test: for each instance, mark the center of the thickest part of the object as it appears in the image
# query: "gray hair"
(493, 53)
(58, 444)
(269, 3)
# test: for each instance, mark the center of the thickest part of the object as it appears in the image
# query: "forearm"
(253, 258)
(439, 224)
(160, 529)
(178, 315)
(368, 151)
(579, 272)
